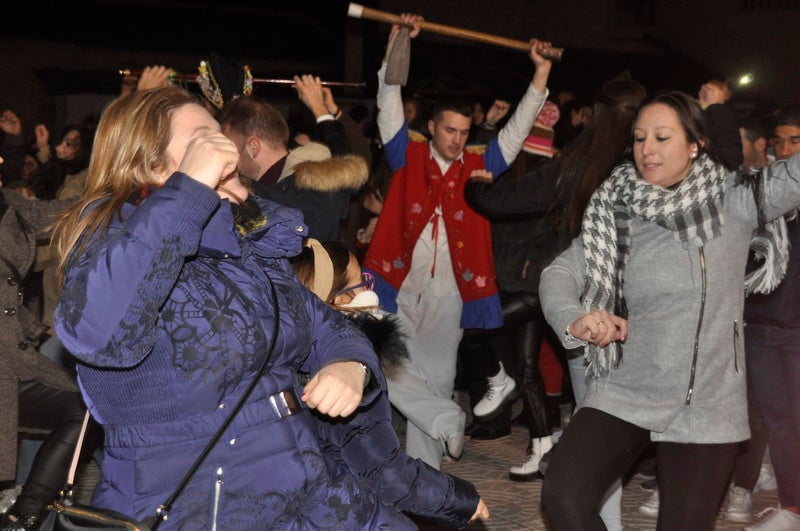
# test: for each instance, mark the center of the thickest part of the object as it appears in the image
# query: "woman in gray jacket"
(654, 289)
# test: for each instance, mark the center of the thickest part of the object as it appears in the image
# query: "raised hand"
(328, 101)
(10, 124)
(42, 136)
(154, 77)
(535, 54)
(309, 90)
(497, 111)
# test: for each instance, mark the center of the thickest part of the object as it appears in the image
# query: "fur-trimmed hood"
(348, 172)
(386, 335)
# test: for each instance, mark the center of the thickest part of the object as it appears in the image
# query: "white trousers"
(422, 388)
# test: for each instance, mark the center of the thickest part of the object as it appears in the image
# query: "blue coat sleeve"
(335, 338)
(395, 149)
(114, 290)
(371, 449)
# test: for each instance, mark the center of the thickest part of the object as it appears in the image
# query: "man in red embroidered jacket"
(432, 255)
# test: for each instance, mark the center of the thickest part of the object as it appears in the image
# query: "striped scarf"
(692, 211)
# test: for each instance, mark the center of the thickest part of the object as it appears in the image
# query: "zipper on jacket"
(217, 492)
(736, 345)
(699, 326)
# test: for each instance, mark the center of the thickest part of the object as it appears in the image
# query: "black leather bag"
(63, 517)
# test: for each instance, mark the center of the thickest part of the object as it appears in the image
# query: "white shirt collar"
(444, 164)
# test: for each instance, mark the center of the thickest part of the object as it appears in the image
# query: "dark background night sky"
(311, 37)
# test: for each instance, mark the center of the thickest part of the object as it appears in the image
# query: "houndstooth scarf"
(692, 211)
(770, 242)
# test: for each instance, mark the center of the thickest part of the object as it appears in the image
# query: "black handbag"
(65, 515)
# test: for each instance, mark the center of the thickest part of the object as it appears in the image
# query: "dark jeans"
(751, 451)
(596, 448)
(62, 413)
(773, 358)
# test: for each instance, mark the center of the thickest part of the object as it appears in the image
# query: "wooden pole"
(358, 11)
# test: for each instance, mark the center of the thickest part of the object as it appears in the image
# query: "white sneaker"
(454, 441)
(502, 388)
(650, 505)
(779, 520)
(529, 470)
(740, 505)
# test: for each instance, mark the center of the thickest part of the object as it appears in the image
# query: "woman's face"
(28, 167)
(353, 273)
(660, 148)
(410, 111)
(70, 146)
(478, 115)
(188, 122)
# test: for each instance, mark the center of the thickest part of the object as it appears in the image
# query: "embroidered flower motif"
(460, 244)
(398, 263)
(386, 266)
(451, 184)
(459, 215)
(467, 275)
(416, 208)
(480, 281)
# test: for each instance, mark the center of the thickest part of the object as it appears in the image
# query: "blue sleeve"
(395, 149)
(113, 291)
(369, 445)
(493, 159)
(336, 338)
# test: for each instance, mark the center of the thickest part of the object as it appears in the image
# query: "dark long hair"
(589, 159)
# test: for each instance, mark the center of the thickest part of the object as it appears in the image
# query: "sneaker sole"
(525, 478)
(738, 518)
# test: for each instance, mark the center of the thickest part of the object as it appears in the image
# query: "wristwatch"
(367, 375)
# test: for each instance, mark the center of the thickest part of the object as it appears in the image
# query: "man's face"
(786, 141)
(248, 167)
(753, 157)
(449, 134)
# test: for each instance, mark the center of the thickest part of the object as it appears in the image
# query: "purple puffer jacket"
(169, 314)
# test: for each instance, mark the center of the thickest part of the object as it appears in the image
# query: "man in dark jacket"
(773, 359)
(321, 187)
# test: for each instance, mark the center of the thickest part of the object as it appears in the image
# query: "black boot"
(499, 426)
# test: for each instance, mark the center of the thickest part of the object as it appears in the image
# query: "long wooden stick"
(359, 11)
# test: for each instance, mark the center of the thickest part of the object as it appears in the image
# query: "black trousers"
(596, 448)
(62, 413)
(517, 345)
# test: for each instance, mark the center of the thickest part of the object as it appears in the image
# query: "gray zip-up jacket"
(682, 369)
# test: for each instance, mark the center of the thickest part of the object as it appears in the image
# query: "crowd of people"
(604, 253)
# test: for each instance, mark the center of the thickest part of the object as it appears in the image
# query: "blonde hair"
(130, 149)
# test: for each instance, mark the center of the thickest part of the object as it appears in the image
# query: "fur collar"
(348, 172)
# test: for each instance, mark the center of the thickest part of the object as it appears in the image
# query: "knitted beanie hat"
(540, 139)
